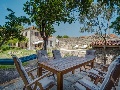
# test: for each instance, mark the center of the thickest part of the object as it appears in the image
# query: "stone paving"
(68, 82)
(17, 84)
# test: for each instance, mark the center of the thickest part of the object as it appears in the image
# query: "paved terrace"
(69, 80)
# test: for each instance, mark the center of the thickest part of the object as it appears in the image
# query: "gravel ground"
(7, 75)
(10, 80)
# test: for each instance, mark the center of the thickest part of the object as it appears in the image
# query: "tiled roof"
(31, 28)
(113, 36)
(109, 42)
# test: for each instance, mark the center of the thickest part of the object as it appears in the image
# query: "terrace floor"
(69, 80)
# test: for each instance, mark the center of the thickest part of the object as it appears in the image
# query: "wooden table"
(64, 65)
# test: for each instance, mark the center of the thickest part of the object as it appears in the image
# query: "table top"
(67, 62)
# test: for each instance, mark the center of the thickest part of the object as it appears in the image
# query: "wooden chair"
(95, 73)
(42, 55)
(56, 54)
(40, 83)
(89, 53)
(108, 83)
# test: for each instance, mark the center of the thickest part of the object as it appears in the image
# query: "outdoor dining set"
(58, 66)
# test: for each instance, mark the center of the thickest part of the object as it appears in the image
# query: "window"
(36, 33)
(25, 44)
(25, 33)
(31, 32)
(51, 44)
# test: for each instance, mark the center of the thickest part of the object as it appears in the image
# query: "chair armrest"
(100, 71)
(104, 67)
(37, 79)
(32, 70)
(94, 74)
(97, 75)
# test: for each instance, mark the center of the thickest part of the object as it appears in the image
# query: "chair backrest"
(42, 55)
(112, 74)
(90, 52)
(21, 70)
(56, 54)
(113, 64)
(118, 57)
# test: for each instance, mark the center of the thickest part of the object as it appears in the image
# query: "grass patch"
(12, 66)
(19, 53)
(6, 66)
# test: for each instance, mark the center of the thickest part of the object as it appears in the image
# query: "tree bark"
(1, 43)
(104, 48)
(43, 35)
(45, 43)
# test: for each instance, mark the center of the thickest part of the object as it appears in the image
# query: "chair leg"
(54, 76)
(97, 80)
(24, 88)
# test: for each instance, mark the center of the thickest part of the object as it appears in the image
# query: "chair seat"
(94, 74)
(46, 82)
(79, 86)
(93, 71)
(87, 83)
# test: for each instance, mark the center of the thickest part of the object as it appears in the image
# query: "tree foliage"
(97, 21)
(114, 4)
(116, 25)
(45, 13)
(59, 36)
(12, 28)
(64, 36)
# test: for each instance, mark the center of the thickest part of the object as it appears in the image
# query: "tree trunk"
(104, 48)
(45, 43)
(1, 43)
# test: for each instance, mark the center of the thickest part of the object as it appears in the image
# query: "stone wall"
(68, 49)
(77, 52)
(69, 43)
(111, 53)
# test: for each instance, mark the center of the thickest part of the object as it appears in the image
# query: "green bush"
(5, 47)
(12, 66)
(6, 66)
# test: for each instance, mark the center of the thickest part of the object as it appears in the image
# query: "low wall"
(111, 53)
(75, 52)
(69, 43)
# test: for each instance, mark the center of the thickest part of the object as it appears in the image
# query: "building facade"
(35, 40)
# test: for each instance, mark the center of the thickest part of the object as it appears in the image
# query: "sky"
(72, 30)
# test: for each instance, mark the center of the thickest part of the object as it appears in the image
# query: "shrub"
(5, 47)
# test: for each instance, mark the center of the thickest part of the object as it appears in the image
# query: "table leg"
(92, 64)
(73, 72)
(39, 71)
(59, 81)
